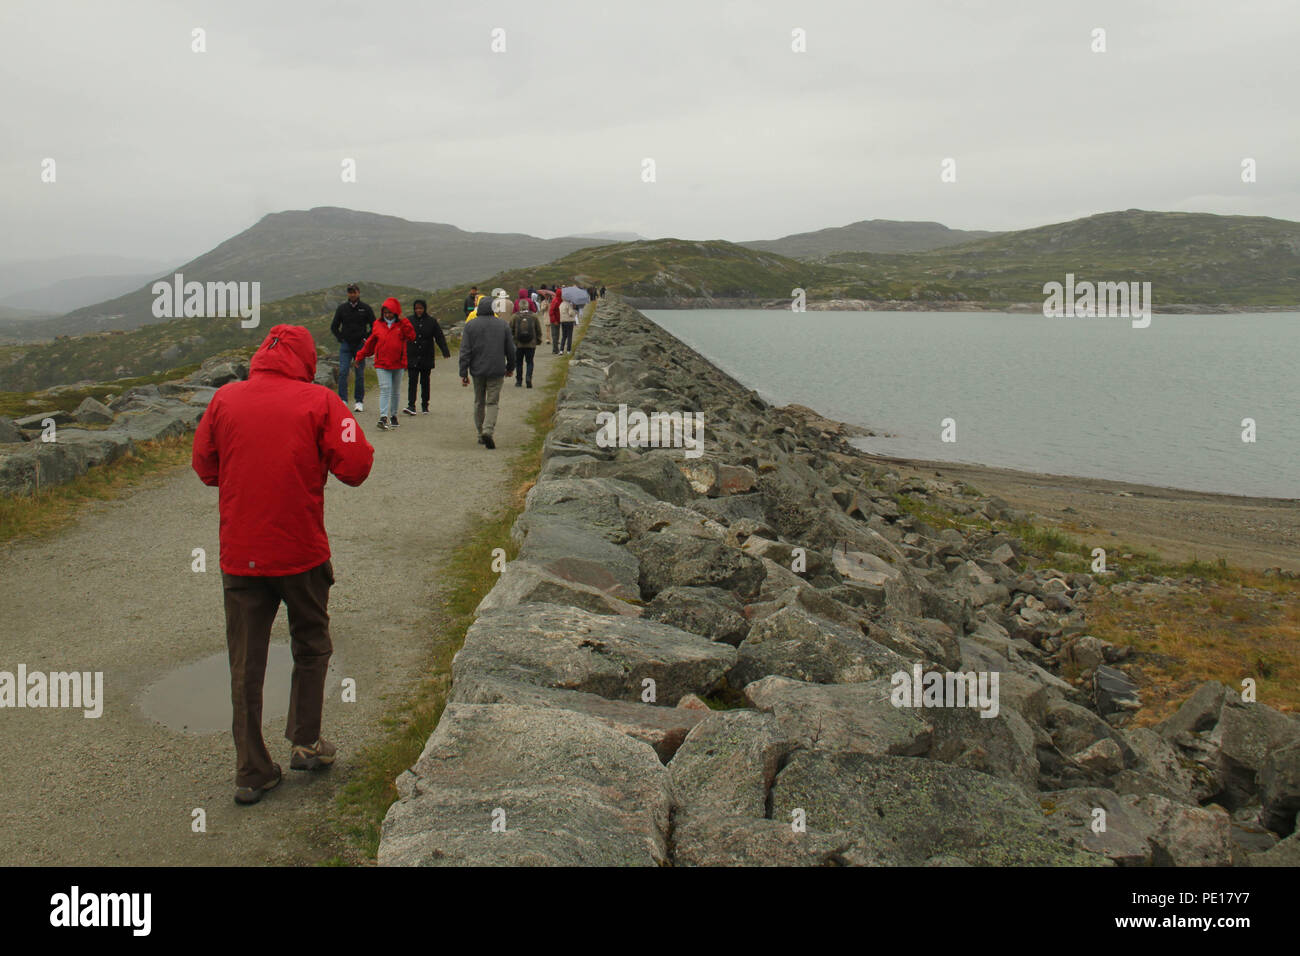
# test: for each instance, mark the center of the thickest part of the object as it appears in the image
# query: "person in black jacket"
(351, 327)
(420, 355)
(471, 300)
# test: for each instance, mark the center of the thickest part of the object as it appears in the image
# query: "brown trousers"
(251, 606)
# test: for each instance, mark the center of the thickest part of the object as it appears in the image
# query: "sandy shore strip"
(1251, 533)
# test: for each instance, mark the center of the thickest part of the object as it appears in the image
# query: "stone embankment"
(698, 660)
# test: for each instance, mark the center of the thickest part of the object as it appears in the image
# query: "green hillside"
(302, 250)
(104, 356)
(1187, 258)
(870, 235)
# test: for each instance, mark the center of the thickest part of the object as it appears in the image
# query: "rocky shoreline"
(710, 660)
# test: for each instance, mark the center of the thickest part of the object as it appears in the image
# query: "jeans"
(566, 336)
(555, 337)
(346, 354)
(390, 381)
(524, 353)
(420, 377)
(251, 606)
(487, 396)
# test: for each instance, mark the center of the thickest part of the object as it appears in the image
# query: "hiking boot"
(487, 440)
(358, 407)
(250, 795)
(320, 754)
(383, 423)
(408, 410)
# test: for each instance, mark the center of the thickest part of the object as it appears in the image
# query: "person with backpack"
(420, 355)
(387, 343)
(527, 332)
(351, 326)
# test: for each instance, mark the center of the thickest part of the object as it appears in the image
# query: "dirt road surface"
(116, 593)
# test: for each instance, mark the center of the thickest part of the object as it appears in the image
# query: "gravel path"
(116, 593)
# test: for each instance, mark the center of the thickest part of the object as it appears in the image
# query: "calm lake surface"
(1093, 397)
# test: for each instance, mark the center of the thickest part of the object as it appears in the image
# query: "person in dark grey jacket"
(487, 352)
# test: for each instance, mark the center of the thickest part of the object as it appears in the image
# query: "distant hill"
(65, 295)
(869, 235)
(609, 236)
(298, 251)
(1189, 258)
(105, 356)
(667, 269)
(23, 275)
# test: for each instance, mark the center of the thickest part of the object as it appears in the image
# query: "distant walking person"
(350, 328)
(471, 300)
(553, 317)
(420, 355)
(268, 444)
(602, 292)
(387, 343)
(527, 333)
(487, 352)
(568, 319)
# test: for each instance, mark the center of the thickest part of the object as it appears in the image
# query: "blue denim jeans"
(346, 354)
(390, 383)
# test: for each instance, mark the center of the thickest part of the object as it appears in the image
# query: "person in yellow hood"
(478, 308)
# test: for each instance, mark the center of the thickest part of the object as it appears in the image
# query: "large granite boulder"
(574, 649)
(795, 643)
(512, 785)
(917, 810)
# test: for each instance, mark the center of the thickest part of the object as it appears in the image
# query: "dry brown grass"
(1248, 626)
(54, 507)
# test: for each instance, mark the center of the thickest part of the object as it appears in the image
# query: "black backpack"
(524, 324)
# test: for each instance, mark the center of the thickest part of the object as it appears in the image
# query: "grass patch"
(28, 516)
(364, 800)
(21, 404)
(1225, 630)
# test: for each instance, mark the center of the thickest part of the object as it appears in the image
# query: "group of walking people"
(489, 352)
(270, 471)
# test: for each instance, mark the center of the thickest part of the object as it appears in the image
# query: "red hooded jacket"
(523, 303)
(387, 343)
(268, 444)
(553, 310)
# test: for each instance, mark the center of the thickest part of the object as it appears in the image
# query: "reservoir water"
(1163, 405)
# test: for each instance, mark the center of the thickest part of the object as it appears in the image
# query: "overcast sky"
(164, 152)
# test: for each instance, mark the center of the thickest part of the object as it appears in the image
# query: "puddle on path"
(195, 698)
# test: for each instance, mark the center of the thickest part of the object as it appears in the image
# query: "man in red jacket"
(269, 444)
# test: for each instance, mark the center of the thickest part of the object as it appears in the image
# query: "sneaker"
(358, 407)
(408, 410)
(250, 795)
(383, 423)
(424, 411)
(393, 422)
(320, 754)
(487, 440)
(530, 384)
(480, 439)
(519, 384)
